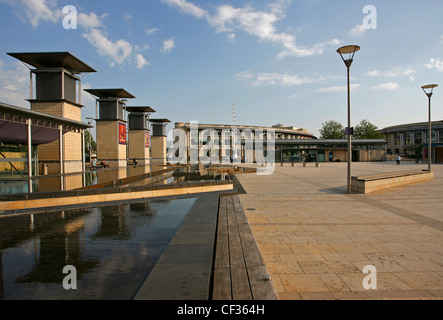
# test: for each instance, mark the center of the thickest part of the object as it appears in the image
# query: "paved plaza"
(316, 239)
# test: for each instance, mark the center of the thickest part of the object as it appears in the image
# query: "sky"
(191, 60)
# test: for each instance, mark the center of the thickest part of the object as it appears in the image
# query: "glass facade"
(418, 137)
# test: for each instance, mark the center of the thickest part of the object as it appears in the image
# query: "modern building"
(159, 141)
(411, 140)
(111, 125)
(289, 144)
(24, 132)
(330, 150)
(139, 144)
(57, 76)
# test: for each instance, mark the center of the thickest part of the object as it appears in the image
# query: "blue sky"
(190, 59)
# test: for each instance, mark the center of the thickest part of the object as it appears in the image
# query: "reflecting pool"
(113, 248)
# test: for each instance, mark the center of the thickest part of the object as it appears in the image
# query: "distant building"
(289, 144)
(411, 140)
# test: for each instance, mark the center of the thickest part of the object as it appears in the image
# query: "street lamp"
(347, 54)
(428, 89)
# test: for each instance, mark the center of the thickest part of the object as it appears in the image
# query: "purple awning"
(17, 133)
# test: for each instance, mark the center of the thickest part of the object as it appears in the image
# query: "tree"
(93, 143)
(332, 130)
(367, 130)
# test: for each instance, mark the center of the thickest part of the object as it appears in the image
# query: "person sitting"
(94, 163)
(134, 162)
(104, 163)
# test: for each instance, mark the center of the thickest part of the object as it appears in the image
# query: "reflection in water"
(137, 176)
(113, 249)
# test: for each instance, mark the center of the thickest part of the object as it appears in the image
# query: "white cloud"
(410, 73)
(168, 45)
(396, 72)
(231, 37)
(386, 86)
(89, 21)
(141, 61)
(260, 24)
(118, 51)
(373, 73)
(262, 79)
(357, 31)
(35, 11)
(151, 31)
(14, 84)
(338, 88)
(245, 75)
(188, 8)
(435, 64)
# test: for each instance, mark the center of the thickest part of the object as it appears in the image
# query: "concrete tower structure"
(139, 135)
(56, 81)
(111, 125)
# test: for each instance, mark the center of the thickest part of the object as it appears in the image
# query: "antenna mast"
(234, 114)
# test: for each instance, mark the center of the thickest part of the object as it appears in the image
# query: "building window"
(434, 136)
(407, 139)
(397, 140)
(418, 137)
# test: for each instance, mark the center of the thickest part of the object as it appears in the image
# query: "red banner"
(122, 133)
(147, 139)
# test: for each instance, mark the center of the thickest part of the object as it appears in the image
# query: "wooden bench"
(239, 269)
(379, 182)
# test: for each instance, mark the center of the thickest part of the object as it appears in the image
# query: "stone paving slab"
(316, 239)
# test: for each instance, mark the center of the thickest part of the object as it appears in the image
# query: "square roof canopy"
(52, 60)
(140, 109)
(110, 93)
(159, 120)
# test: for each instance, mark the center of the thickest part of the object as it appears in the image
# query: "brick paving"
(316, 239)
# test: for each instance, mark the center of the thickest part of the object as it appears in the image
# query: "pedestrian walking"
(398, 159)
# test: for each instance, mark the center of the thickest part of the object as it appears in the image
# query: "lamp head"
(347, 54)
(428, 89)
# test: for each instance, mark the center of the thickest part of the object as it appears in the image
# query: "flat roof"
(139, 109)
(43, 60)
(110, 93)
(159, 120)
(297, 131)
(329, 141)
(411, 126)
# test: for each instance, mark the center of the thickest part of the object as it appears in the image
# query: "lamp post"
(428, 89)
(349, 51)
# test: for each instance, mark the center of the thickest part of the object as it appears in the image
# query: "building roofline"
(42, 60)
(408, 126)
(229, 126)
(4, 107)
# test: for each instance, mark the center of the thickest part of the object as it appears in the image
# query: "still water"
(113, 249)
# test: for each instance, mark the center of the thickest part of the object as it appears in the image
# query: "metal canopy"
(16, 133)
(159, 120)
(110, 93)
(45, 60)
(140, 109)
(13, 125)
